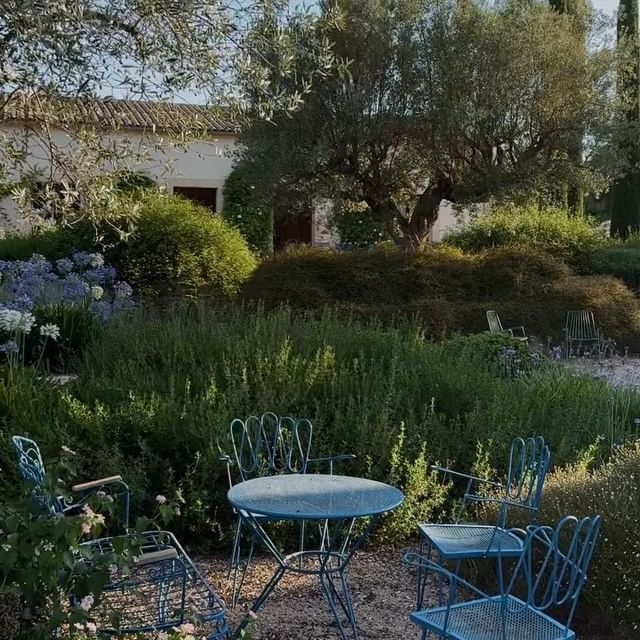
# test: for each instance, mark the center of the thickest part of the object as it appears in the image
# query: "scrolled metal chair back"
(271, 445)
(529, 461)
(31, 469)
(555, 562)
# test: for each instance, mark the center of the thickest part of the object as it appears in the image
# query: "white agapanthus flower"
(96, 260)
(50, 331)
(97, 292)
(12, 320)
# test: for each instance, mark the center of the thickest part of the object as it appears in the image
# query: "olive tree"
(230, 55)
(443, 99)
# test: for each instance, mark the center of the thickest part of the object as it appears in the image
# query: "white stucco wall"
(204, 164)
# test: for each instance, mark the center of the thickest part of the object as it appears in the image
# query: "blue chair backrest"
(555, 563)
(529, 460)
(31, 469)
(271, 444)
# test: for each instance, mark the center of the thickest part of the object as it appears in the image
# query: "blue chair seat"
(494, 618)
(453, 541)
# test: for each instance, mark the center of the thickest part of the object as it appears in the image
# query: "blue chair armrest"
(465, 476)
(500, 501)
(93, 487)
(330, 460)
(412, 558)
(228, 461)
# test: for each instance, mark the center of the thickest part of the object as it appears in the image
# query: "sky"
(608, 6)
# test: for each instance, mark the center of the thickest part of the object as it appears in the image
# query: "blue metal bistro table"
(334, 504)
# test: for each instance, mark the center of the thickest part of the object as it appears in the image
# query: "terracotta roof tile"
(116, 114)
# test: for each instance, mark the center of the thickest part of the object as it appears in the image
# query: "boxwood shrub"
(179, 247)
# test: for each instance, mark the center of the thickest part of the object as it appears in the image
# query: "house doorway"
(293, 231)
(205, 196)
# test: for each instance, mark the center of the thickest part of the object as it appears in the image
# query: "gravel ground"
(383, 592)
(382, 589)
(618, 372)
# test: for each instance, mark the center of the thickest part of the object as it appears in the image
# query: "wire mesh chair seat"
(163, 590)
(268, 445)
(454, 541)
(548, 578)
(494, 618)
(528, 464)
(31, 469)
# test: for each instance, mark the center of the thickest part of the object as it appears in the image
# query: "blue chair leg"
(240, 571)
(425, 550)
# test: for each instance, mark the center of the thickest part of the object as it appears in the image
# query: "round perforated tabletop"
(314, 497)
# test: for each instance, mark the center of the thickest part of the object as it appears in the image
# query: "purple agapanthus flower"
(64, 265)
(27, 284)
(9, 347)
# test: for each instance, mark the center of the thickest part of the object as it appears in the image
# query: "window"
(202, 195)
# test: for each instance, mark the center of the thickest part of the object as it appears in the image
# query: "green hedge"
(253, 219)
(619, 260)
(449, 290)
(555, 231)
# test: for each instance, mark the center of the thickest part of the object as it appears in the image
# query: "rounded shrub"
(553, 230)
(517, 269)
(356, 225)
(178, 246)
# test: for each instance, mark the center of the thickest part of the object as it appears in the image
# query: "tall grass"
(155, 396)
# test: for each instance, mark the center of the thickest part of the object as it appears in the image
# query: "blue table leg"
(333, 557)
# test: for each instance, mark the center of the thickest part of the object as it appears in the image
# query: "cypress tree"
(573, 195)
(625, 194)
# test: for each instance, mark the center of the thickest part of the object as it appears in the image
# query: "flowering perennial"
(82, 280)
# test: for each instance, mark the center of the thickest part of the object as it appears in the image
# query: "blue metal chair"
(529, 461)
(163, 590)
(550, 574)
(265, 446)
(31, 469)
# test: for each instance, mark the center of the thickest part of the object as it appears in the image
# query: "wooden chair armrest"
(94, 484)
(156, 556)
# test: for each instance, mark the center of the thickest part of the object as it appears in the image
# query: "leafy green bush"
(54, 581)
(52, 243)
(178, 246)
(253, 219)
(611, 491)
(155, 396)
(555, 231)
(620, 260)
(356, 225)
(449, 290)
